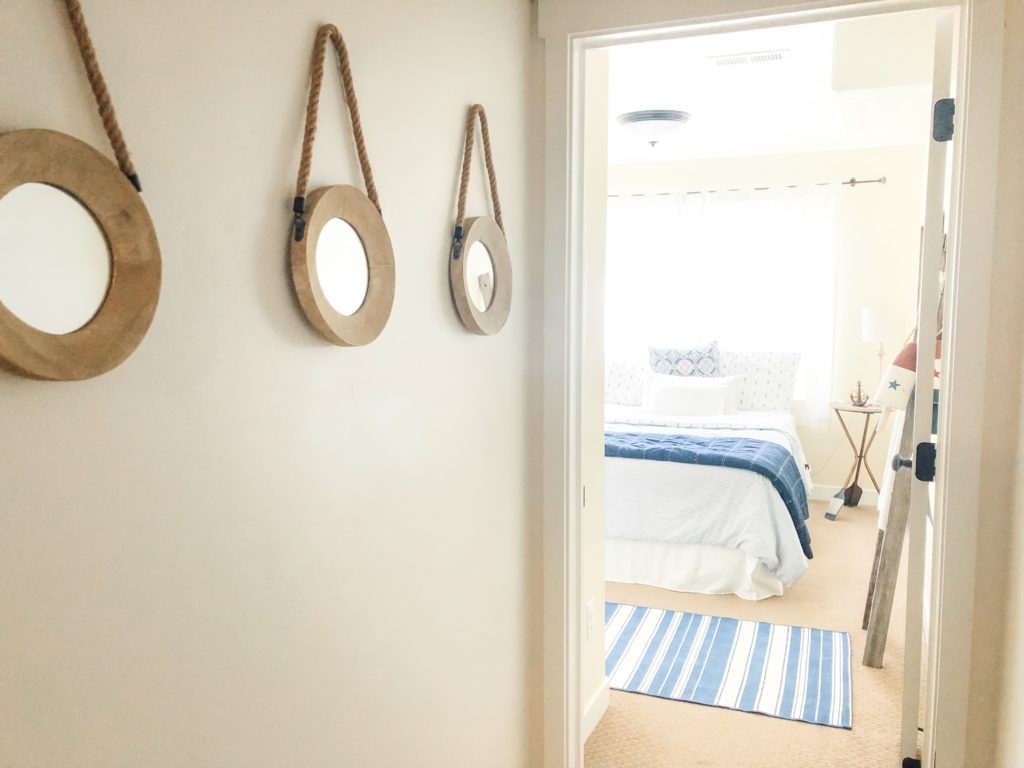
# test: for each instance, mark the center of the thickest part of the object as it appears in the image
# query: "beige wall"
(246, 546)
(877, 259)
(997, 669)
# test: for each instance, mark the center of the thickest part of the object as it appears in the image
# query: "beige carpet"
(645, 732)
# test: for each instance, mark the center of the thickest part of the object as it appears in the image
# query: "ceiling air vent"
(749, 57)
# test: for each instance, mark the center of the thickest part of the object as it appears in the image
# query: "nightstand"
(852, 491)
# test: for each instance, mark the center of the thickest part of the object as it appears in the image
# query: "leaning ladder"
(888, 550)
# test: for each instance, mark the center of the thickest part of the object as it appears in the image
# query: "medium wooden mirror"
(480, 268)
(343, 264)
(344, 267)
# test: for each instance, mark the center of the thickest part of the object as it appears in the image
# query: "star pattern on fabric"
(894, 384)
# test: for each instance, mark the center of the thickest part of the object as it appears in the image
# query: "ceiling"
(828, 85)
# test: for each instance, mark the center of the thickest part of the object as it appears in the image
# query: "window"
(753, 270)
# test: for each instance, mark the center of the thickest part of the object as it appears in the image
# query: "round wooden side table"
(852, 491)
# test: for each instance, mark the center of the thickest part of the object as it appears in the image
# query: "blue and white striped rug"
(789, 672)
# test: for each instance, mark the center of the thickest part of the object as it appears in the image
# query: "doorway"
(565, 492)
(764, 191)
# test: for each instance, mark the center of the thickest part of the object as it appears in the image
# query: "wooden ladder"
(888, 551)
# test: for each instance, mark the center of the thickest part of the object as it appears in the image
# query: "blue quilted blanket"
(767, 459)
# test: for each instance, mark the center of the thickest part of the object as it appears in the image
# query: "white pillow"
(624, 384)
(692, 396)
(733, 392)
(767, 378)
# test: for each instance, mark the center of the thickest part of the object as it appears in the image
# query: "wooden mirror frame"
(119, 325)
(483, 230)
(349, 204)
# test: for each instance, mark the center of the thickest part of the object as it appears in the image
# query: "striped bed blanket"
(768, 459)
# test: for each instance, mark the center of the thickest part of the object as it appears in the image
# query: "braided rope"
(477, 112)
(329, 32)
(100, 92)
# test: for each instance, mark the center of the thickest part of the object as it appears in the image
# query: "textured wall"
(246, 546)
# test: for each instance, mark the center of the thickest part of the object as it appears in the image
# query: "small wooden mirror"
(481, 277)
(480, 269)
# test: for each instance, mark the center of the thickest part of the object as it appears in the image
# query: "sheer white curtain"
(753, 270)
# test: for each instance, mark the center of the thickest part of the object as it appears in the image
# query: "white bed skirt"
(689, 568)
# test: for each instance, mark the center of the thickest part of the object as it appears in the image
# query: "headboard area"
(767, 378)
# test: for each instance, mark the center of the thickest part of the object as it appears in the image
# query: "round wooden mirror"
(481, 276)
(480, 270)
(54, 259)
(79, 259)
(344, 266)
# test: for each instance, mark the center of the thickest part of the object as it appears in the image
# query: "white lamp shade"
(870, 330)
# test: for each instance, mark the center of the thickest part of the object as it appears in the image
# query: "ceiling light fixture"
(653, 124)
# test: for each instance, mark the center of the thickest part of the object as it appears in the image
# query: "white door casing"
(918, 526)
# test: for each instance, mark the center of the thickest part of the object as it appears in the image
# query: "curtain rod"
(850, 182)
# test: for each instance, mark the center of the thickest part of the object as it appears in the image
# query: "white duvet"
(735, 509)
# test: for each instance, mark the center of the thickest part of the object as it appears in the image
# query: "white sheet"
(689, 568)
(724, 507)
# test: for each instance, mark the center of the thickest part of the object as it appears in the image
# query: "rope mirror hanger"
(480, 269)
(348, 204)
(110, 194)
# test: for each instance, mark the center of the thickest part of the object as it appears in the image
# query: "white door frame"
(569, 28)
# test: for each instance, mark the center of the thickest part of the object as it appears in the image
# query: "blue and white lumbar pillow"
(696, 361)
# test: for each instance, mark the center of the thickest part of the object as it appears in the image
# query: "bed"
(681, 515)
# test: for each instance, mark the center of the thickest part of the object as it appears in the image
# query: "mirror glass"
(54, 259)
(479, 276)
(341, 266)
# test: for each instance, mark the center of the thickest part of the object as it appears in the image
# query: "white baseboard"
(595, 709)
(825, 492)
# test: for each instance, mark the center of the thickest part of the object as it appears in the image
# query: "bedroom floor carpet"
(641, 731)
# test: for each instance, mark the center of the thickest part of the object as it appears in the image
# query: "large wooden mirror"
(54, 259)
(79, 260)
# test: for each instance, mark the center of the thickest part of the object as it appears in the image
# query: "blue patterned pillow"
(699, 361)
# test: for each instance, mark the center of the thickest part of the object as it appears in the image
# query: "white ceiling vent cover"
(749, 57)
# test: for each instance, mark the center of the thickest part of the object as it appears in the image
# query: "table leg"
(867, 466)
(853, 492)
(853, 446)
(849, 475)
